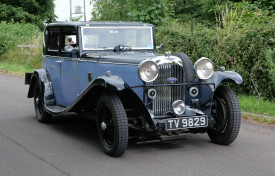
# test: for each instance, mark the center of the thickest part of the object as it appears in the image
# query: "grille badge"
(170, 58)
(172, 80)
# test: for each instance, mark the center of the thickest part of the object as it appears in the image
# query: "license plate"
(186, 122)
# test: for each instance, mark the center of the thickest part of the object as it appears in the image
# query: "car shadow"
(81, 129)
(84, 129)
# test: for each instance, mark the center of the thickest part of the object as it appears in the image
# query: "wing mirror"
(161, 47)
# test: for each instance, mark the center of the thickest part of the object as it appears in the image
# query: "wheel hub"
(37, 100)
(103, 126)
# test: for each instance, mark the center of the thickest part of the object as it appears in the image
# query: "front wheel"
(112, 125)
(226, 112)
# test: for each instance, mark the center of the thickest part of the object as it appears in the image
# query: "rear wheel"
(41, 115)
(227, 114)
(112, 125)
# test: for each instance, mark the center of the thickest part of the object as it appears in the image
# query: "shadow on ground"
(84, 130)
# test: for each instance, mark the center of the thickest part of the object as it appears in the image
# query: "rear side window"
(68, 40)
(53, 39)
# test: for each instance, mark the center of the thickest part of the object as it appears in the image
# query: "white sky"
(62, 9)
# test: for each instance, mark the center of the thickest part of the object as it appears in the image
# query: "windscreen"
(101, 38)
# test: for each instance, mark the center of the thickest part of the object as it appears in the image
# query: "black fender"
(90, 95)
(114, 84)
(224, 76)
(40, 76)
(216, 80)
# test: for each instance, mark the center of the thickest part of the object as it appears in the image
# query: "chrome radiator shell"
(166, 95)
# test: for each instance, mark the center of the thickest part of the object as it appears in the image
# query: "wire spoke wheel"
(227, 115)
(218, 112)
(41, 115)
(107, 127)
(112, 125)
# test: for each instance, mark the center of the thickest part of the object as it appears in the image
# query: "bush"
(13, 34)
(246, 47)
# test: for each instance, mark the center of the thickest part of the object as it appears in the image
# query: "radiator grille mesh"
(166, 95)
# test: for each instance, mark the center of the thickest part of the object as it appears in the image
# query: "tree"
(110, 10)
(150, 11)
(27, 11)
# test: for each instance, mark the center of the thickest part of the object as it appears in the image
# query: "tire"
(41, 115)
(112, 125)
(227, 114)
(189, 70)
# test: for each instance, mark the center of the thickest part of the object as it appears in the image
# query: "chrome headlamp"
(148, 71)
(204, 68)
(178, 107)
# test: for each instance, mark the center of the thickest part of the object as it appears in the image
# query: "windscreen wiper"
(122, 48)
(105, 48)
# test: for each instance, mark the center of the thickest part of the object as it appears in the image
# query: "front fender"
(90, 95)
(114, 83)
(224, 76)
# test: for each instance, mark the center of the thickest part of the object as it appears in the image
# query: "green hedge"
(13, 34)
(247, 49)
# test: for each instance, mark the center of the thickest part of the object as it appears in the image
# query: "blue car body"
(73, 81)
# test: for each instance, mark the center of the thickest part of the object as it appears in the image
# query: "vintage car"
(113, 69)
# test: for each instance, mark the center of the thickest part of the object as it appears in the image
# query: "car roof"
(97, 23)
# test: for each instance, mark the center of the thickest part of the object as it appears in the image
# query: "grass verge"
(15, 69)
(257, 110)
(258, 118)
(254, 105)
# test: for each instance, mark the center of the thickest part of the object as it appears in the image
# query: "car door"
(87, 66)
(69, 66)
(52, 62)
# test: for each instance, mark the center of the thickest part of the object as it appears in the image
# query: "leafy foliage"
(27, 11)
(77, 18)
(265, 5)
(240, 41)
(150, 11)
(195, 9)
(110, 10)
(13, 34)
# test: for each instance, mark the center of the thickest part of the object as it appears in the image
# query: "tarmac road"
(69, 146)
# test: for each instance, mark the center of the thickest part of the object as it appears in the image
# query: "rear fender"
(40, 76)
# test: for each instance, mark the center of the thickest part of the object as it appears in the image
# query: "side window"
(69, 40)
(53, 42)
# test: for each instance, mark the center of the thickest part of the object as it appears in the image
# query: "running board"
(55, 109)
(164, 138)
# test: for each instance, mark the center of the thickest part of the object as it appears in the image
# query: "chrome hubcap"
(103, 126)
(37, 100)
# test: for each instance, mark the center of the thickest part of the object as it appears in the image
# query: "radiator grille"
(166, 95)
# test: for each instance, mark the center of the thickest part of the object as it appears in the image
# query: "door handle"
(59, 61)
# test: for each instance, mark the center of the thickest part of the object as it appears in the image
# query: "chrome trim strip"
(116, 63)
(62, 58)
(171, 60)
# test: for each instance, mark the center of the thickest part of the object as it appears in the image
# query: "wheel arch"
(224, 76)
(37, 75)
(41, 76)
(110, 84)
